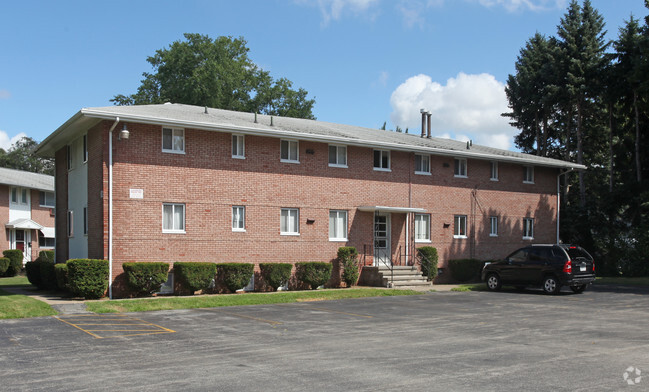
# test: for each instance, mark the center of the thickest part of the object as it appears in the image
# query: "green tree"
(21, 157)
(216, 73)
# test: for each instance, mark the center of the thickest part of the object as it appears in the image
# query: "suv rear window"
(576, 253)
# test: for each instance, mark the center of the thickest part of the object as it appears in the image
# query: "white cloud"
(5, 94)
(467, 107)
(335, 9)
(532, 5)
(412, 11)
(6, 142)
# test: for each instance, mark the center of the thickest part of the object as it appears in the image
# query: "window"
(422, 164)
(494, 171)
(337, 225)
(238, 147)
(460, 226)
(238, 218)
(493, 232)
(85, 220)
(14, 195)
(47, 199)
(528, 228)
(381, 160)
(85, 148)
(23, 196)
(460, 167)
(289, 151)
(19, 195)
(289, 221)
(422, 228)
(337, 156)
(173, 140)
(70, 223)
(173, 218)
(45, 242)
(69, 148)
(528, 174)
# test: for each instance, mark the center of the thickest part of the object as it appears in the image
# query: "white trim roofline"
(50, 145)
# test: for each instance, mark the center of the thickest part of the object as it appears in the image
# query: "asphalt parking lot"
(445, 341)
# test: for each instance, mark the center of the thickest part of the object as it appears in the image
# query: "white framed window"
(173, 218)
(47, 199)
(19, 195)
(422, 228)
(238, 218)
(337, 156)
(460, 167)
(337, 225)
(289, 223)
(70, 223)
(45, 242)
(69, 157)
(528, 228)
(459, 230)
(14, 195)
(422, 164)
(493, 230)
(494, 171)
(85, 148)
(289, 151)
(238, 147)
(382, 160)
(23, 196)
(528, 174)
(85, 220)
(173, 140)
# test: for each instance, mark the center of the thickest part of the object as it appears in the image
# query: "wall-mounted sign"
(136, 193)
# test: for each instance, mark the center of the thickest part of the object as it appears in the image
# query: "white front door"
(382, 253)
(22, 240)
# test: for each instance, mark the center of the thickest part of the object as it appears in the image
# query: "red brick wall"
(98, 191)
(4, 216)
(209, 182)
(61, 184)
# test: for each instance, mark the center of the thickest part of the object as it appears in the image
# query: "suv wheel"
(493, 282)
(578, 289)
(551, 285)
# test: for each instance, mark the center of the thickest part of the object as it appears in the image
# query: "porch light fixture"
(123, 134)
(447, 225)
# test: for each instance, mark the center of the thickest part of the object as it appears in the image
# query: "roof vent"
(423, 121)
(206, 110)
(468, 145)
(255, 117)
(271, 121)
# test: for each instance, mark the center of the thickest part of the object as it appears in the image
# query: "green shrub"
(314, 274)
(428, 258)
(146, 278)
(194, 276)
(88, 278)
(48, 276)
(348, 259)
(276, 274)
(61, 272)
(15, 257)
(33, 271)
(235, 276)
(464, 270)
(46, 255)
(4, 265)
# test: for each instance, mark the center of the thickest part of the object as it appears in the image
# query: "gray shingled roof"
(24, 179)
(189, 116)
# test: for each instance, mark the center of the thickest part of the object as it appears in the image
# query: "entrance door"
(382, 253)
(22, 241)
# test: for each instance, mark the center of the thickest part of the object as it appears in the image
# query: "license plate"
(582, 268)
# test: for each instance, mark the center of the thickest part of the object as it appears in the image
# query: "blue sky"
(364, 61)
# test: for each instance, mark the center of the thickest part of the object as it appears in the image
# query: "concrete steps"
(402, 276)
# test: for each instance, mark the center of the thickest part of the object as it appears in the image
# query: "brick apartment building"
(27, 209)
(176, 182)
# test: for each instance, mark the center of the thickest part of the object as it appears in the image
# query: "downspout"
(110, 208)
(408, 214)
(559, 198)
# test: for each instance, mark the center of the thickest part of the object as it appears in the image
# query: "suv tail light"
(593, 266)
(567, 267)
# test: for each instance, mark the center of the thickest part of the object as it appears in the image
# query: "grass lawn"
(21, 306)
(210, 301)
(17, 280)
(640, 281)
(471, 287)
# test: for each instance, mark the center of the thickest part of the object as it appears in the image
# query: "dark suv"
(548, 266)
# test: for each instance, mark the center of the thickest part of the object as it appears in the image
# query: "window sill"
(493, 179)
(528, 182)
(528, 238)
(382, 169)
(338, 240)
(423, 173)
(173, 232)
(423, 241)
(290, 234)
(460, 176)
(238, 230)
(337, 165)
(238, 157)
(173, 152)
(46, 247)
(289, 161)
(461, 237)
(493, 235)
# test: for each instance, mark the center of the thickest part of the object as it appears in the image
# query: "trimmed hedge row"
(4, 265)
(15, 257)
(235, 276)
(428, 257)
(40, 272)
(313, 274)
(195, 276)
(88, 278)
(348, 259)
(276, 275)
(146, 278)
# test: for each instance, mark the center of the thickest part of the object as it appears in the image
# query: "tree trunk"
(637, 137)
(580, 156)
(545, 135)
(611, 162)
(538, 133)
